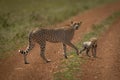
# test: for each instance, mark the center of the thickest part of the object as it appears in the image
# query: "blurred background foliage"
(19, 17)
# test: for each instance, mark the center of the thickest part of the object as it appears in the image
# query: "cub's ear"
(71, 22)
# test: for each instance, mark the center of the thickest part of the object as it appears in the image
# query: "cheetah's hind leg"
(42, 53)
(25, 59)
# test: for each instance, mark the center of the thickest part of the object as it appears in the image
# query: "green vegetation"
(70, 68)
(18, 17)
(99, 28)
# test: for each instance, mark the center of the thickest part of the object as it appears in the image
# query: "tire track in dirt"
(15, 69)
(107, 65)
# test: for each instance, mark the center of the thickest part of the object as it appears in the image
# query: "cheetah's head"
(75, 25)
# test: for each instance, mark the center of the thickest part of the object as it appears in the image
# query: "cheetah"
(92, 44)
(55, 35)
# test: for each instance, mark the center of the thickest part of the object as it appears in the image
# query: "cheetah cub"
(92, 44)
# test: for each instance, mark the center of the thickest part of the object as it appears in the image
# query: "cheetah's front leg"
(71, 45)
(64, 48)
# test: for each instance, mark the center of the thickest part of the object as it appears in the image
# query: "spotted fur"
(40, 36)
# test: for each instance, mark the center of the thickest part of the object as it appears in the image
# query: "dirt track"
(107, 65)
(14, 69)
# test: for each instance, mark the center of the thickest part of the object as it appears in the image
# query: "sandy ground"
(14, 68)
(107, 65)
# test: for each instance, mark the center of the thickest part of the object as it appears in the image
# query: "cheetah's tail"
(30, 46)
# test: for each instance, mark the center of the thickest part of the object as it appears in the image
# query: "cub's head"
(94, 40)
(75, 25)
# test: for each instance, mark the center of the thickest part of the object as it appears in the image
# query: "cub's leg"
(42, 53)
(87, 51)
(83, 50)
(94, 51)
(64, 48)
(71, 45)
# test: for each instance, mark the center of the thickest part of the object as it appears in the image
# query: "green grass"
(19, 17)
(100, 28)
(70, 69)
